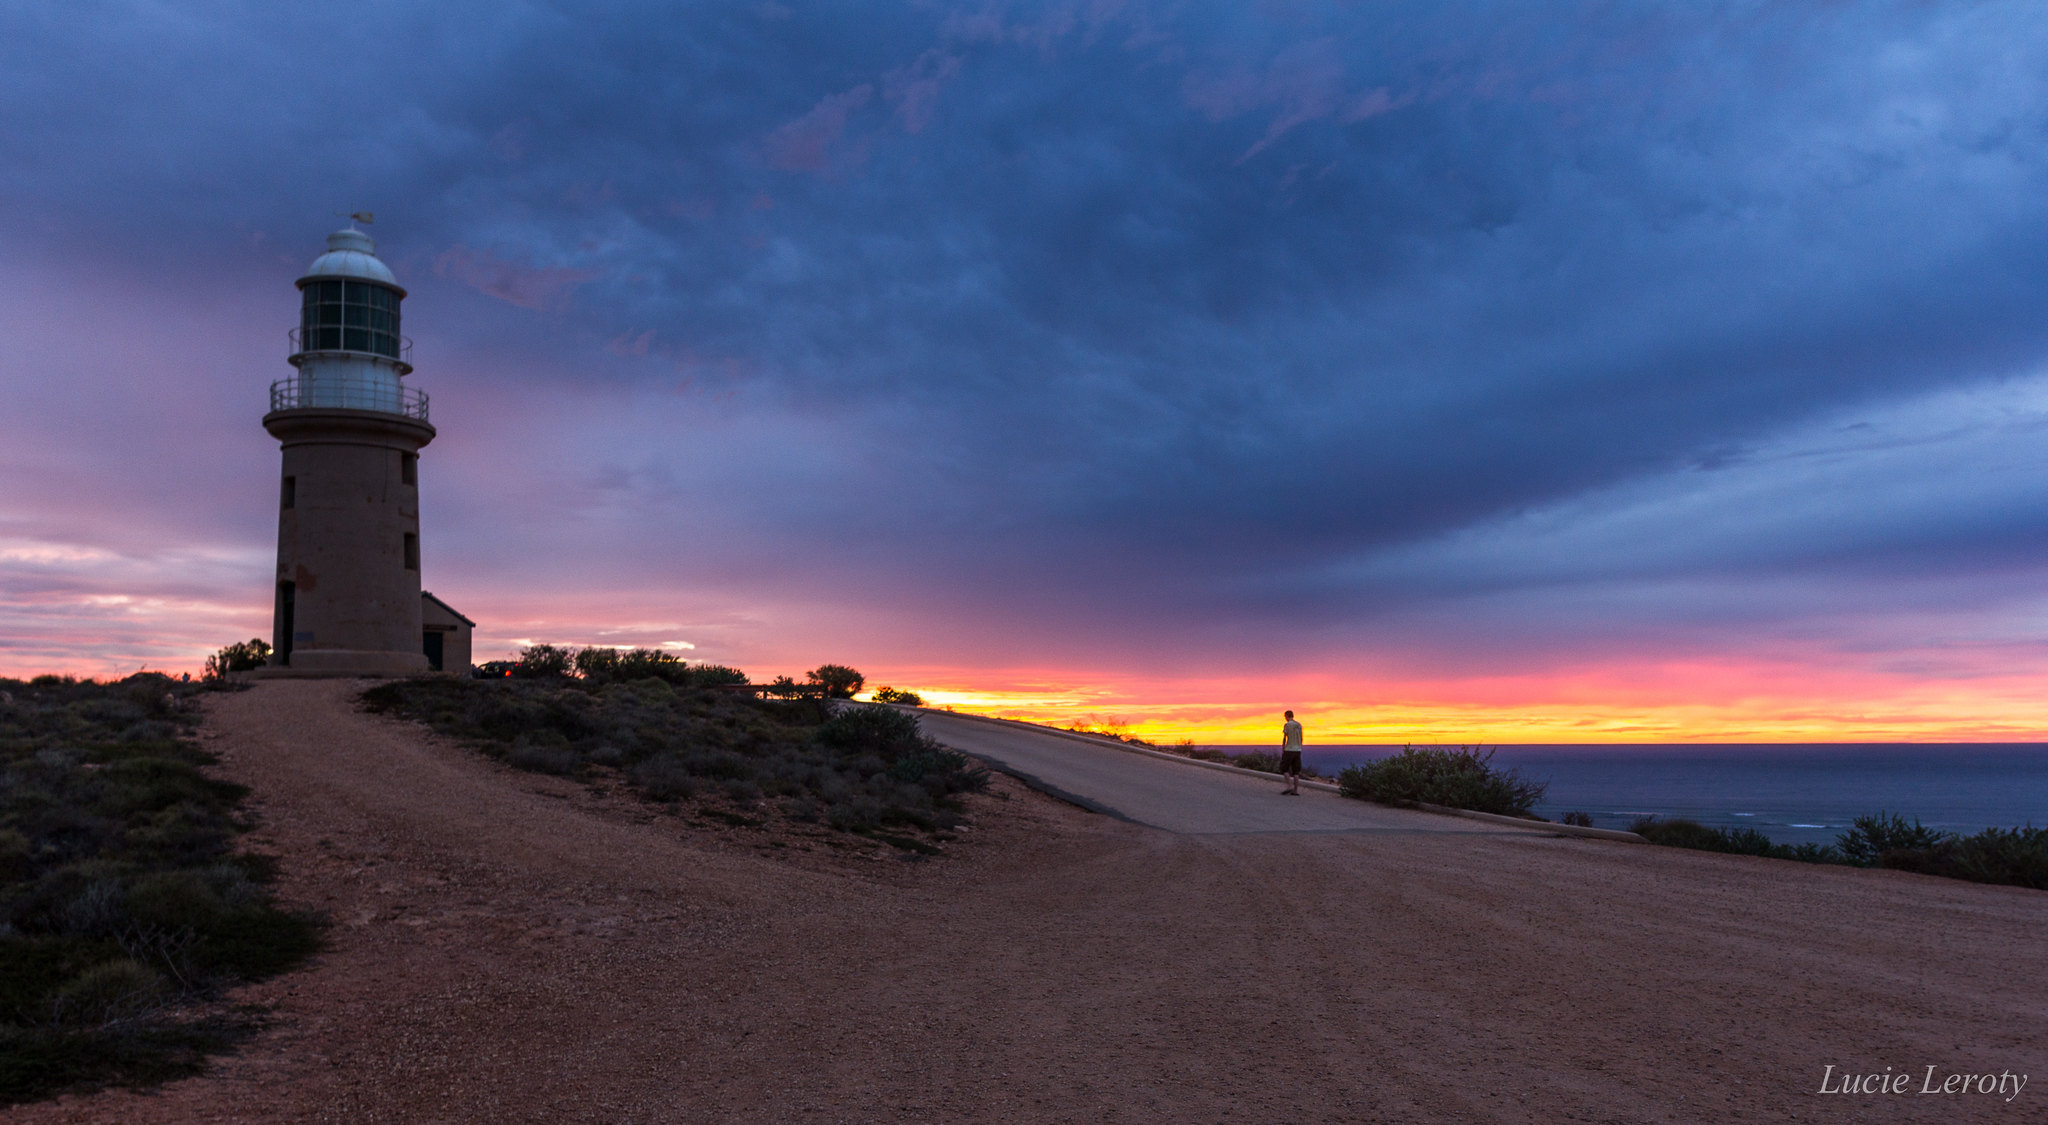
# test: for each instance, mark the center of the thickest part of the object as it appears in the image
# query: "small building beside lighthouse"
(348, 599)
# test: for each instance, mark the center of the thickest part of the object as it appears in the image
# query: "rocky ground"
(512, 947)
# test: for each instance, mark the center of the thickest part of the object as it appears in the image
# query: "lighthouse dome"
(350, 254)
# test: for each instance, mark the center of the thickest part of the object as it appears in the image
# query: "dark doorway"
(287, 595)
(430, 643)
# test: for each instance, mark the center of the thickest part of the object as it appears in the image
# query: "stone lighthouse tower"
(348, 528)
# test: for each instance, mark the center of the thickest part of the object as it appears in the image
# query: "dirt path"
(510, 948)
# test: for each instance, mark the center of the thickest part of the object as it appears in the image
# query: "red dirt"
(509, 947)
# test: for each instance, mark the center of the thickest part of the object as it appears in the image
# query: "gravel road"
(509, 947)
(1177, 796)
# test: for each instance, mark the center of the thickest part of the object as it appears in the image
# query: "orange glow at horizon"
(1692, 703)
(1989, 691)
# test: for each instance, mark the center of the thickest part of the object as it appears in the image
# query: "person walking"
(1290, 756)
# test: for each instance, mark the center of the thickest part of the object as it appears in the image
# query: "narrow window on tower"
(291, 493)
(412, 551)
(408, 468)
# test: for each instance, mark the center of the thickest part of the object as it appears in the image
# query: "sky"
(1444, 371)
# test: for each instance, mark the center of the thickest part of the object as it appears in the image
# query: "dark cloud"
(1132, 309)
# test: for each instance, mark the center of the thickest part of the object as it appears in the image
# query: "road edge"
(1544, 826)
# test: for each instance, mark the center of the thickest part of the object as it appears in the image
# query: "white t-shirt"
(1290, 736)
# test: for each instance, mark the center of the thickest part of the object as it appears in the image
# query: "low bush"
(2015, 857)
(1692, 834)
(1118, 729)
(1463, 778)
(239, 657)
(1870, 837)
(1261, 761)
(121, 898)
(837, 681)
(1264, 761)
(860, 767)
(892, 695)
(611, 665)
(539, 662)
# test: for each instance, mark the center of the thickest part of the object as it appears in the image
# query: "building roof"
(351, 253)
(426, 595)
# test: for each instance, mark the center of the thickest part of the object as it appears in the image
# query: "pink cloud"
(628, 344)
(530, 287)
(1373, 103)
(804, 145)
(915, 88)
(1303, 83)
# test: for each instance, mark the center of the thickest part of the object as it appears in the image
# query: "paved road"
(1175, 796)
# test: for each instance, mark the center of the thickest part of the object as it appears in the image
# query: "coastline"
(1793, 792)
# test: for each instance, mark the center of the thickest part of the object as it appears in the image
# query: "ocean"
(1794, 793)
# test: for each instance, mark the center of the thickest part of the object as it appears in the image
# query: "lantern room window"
(349, 316)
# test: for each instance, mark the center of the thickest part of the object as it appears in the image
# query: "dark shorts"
(1290, 761)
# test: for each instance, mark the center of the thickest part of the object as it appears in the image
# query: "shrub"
(856, 815)
(663, 778)
(2016, 857)
(872, 729)
(543, 662)
(836, 680)
(1577, 819)
(609, 665)
(650, 663)
(110, 992)
(2007, 856)
(1870, 837)
(709, 675)
(239, 657)
(597, 663)
(554, 757)
(1692, 834)
(892, 695)
(680, 742)
(120, 898)
(1264, 761)
(1464, 778)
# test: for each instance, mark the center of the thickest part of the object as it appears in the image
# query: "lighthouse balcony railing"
(336, 339)
(334, 390)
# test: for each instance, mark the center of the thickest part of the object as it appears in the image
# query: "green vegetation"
(1110, 728)
(2016, 857)
(1731, 841)
(239, 657)
(891, 695)
(858, 769)
(610, 665)
(1464, 778)
(837, 680)
(125, 909)
(2013, 857)
(1263, 761)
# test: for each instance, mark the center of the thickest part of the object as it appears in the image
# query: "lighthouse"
(348, 597)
